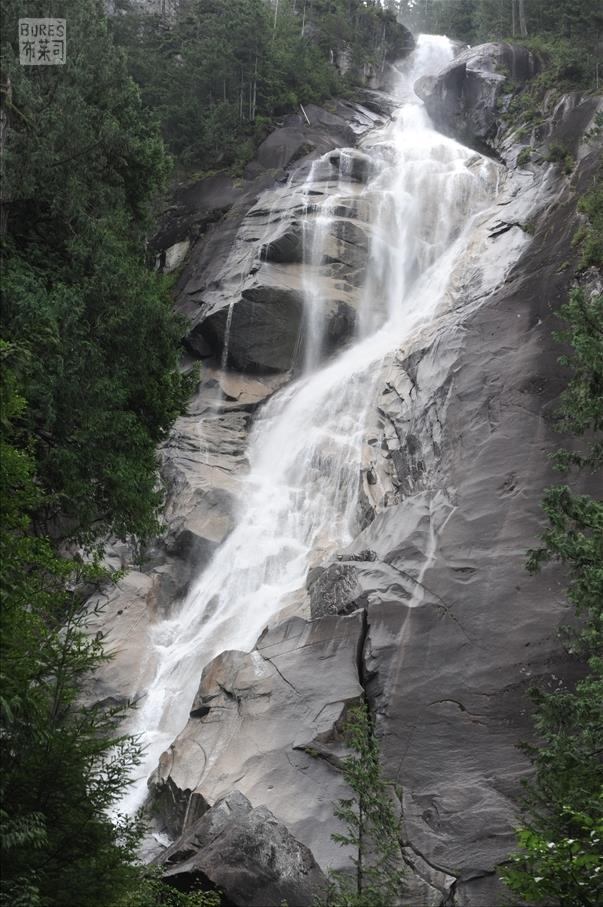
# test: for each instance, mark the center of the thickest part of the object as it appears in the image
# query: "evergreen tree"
(371, 826)
(220, 71)
(562, 839)
(62, 766)
(82, 163)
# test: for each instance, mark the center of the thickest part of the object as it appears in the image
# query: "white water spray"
(299, 503)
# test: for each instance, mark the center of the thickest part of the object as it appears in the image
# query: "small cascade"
(224, 357)
(300, 501)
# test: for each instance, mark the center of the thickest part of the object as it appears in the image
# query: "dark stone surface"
(245, 853)
(264, 329)
(287, 247)
(448, 671)
(462, 100)
(258, 227)
(194, 208)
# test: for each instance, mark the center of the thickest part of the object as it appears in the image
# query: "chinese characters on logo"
(42, 42)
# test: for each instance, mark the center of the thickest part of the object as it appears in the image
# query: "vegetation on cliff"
(219, 71)
(89, 387)
(95, 345)
(579, 22)
(562, 838)
(371, 828)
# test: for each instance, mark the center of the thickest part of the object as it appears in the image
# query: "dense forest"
(91, 385)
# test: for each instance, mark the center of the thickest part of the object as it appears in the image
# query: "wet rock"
(448, 669)
(261, 332)
(285, 146)
(455, 464)
(193, 209)
(462, 100)
(283, 703)
(246, 854)
(355, 166)
(344, 587)
(202, 463)
(287, 247)
(242, 281)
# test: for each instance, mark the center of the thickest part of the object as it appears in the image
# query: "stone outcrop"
(456, 631)
(244, 282)
(247, 854)
(282, 704)
(463, 100)
(429, 611)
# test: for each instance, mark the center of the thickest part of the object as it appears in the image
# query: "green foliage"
(563, 33)
(524, 156)
(221, 68)
(561, 842)
(581, 405)
(151, 891)
(558, 154)
(575, 537)
(99, 345)
(63, 765)
(566, 871)
(372, 829)
(89, 386)
(591, 241)
(440, 17)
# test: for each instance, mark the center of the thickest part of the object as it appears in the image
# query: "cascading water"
(300, 499)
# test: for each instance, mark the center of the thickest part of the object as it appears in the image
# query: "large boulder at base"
(247, 854)
(463, 99)
(268, 724)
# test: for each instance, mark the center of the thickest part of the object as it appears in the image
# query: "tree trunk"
(5, 102)
(255, 88)
(523, 28)
(275, 18)
(359, 868)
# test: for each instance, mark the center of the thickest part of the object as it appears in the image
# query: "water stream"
(300, 500)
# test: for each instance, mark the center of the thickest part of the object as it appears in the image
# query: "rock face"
(429, 611)
(246, 853)
(244, 288)
(202, 463)
(462, 100)
(283, 704)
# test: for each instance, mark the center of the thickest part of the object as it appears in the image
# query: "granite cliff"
(426, 608)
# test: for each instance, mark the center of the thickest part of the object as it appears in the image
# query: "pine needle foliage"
(372, 830)
(561, 842)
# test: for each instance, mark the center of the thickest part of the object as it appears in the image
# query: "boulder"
(283, 704)
(347, 585)
(247, 855)
(287, 247)
(463, 99)
(261, 332)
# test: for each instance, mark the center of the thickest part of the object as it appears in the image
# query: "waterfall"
(300, 499)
